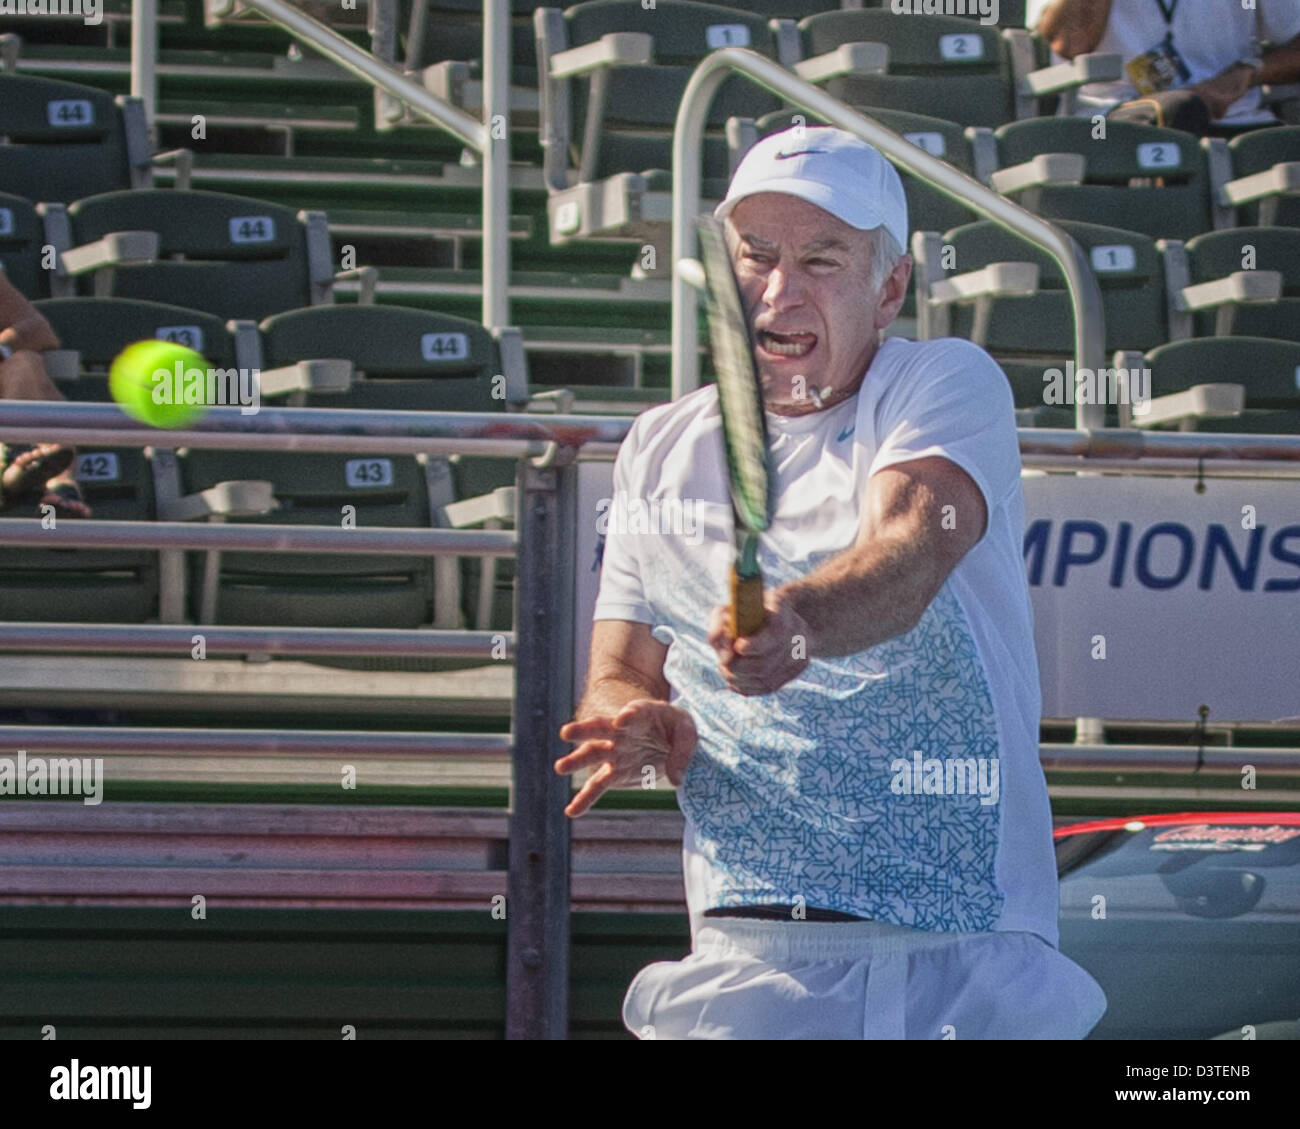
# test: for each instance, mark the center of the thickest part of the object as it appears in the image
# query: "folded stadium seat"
(943, 66)
(1235, 384)
(60, 141)
(983, 283)
(444, 48)
(1249, 280)
(1266, 171)
(440, 46)
(231, 256)
(393, 359)
(21, 240)
(612, 75)
(104, 585)
(1140, 177)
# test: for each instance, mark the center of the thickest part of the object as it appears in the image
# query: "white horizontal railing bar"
(341, 430)
(31, 533)
(1182, 468)
(337, 430)
(365, 66)
(1270, 763)
(1125, 443)
(169, 639)
(70, 740)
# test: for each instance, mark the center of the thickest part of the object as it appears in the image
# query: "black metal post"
(537, 892)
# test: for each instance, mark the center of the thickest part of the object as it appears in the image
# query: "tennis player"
(867, 847)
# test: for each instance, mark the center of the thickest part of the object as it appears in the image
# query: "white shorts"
(754, 979)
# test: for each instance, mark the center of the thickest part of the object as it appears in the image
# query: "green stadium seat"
(1139, 177)
(97, 329)
(444, 52)
(1028, 312)
(1266, 171)
(397, 359)
(62, 141)
(983, 283)
(941, 66)
(612, 77)
(118, 482)
(232, 256)
(1258, 258)
(1190, 381)
(21, 240)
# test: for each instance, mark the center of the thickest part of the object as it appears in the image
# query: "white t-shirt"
(827, 790)
(1210, 35)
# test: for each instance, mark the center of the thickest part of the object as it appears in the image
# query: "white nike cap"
(828, 167)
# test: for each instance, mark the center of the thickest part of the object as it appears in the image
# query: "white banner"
(1151, 600)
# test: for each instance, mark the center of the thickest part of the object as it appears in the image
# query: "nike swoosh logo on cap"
(785, 156)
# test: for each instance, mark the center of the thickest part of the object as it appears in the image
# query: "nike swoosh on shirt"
(846, 433)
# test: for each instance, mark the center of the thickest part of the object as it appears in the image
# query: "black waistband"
(783, 913)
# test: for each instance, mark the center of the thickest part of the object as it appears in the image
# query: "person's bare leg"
(23, 377)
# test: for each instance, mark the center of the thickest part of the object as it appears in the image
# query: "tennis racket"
(744, 426)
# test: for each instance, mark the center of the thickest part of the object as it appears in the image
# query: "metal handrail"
(491, 140)
(335, 430)
(1085, 295)
(341, 430)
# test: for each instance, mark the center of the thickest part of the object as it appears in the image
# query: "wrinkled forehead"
(771, 219)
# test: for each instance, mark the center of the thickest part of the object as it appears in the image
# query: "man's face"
(805, 283)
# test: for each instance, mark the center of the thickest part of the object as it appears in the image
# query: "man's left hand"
(762, 663)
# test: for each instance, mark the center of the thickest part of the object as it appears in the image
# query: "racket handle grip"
(747, 612)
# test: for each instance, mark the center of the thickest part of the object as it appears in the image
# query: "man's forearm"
(606, 695)
(866, 595)
(1282, 65)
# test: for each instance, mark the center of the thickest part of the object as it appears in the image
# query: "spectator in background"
(43, 474)
(1189, 64)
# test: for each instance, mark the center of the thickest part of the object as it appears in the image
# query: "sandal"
(66, 498)
(27, 469)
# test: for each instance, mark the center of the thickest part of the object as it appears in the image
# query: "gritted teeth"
(787, 344)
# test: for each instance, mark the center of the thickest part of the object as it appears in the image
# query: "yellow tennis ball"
(160, 383)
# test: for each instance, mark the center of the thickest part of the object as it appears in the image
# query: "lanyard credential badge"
(1158, 69)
